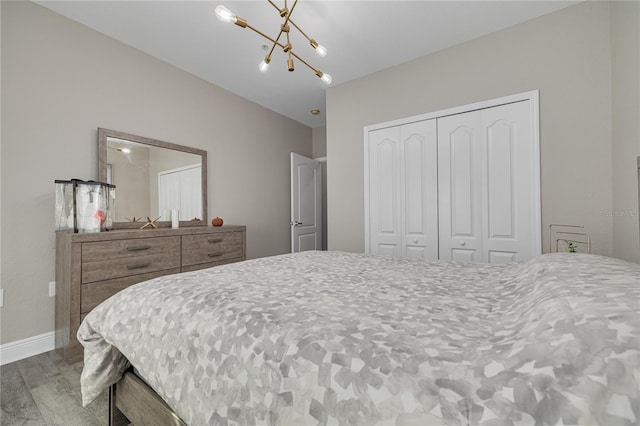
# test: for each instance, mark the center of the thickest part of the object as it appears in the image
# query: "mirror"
(152, 178)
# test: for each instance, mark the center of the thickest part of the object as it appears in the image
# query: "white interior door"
(306, 204)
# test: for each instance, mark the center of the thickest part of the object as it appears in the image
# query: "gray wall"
(566, 55)
(625, 66)
(60, 82)
(319, 135)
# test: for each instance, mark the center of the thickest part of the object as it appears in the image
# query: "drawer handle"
(215, 254)
(138, 248)
(215, 240)
(138, 265)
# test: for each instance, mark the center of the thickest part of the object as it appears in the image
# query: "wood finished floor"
(45, 390)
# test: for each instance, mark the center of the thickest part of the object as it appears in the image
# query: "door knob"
(462, 243)
(295, 223)
(415, 241)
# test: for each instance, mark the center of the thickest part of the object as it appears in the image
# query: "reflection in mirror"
(152, 177)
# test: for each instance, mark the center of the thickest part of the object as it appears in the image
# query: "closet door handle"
(462, 243)
(138, 248)
(138, 265)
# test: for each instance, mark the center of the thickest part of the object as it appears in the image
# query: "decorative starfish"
(151, 223)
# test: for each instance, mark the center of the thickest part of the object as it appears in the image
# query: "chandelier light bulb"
(264, 66)
(321, 50)
(326, 79)
(224, 14)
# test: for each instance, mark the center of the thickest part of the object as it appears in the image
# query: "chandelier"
(225, 15)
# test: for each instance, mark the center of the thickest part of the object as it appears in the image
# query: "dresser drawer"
(93, 294)
(123, 267)
(134, 247)
(209, 265)
(208, 248)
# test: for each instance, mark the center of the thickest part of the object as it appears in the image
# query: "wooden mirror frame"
(103, 134)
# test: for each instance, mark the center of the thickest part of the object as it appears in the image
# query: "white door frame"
(323, 201)
(532, 96)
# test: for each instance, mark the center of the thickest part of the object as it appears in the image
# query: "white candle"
(174, 219)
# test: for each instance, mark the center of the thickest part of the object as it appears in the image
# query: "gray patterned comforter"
(350, 339)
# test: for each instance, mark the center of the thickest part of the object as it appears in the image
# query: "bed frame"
(132, 401)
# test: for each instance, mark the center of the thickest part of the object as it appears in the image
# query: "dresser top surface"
(122, 234)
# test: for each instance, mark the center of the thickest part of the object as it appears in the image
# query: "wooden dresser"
(92, 267)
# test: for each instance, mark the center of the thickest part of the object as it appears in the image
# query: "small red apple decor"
(216, 221)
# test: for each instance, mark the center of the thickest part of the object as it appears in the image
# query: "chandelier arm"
(305, 62)
(286, 21)
(285, 6)
(275, 42)
(288, 38)
(301, 32)
(272, 49)
(276, 6)
(289, 17)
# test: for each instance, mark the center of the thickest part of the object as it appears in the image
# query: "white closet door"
(168, 193)
(460, 187)
(180, 189)
(486, 185)
(466, 190)
(508, 172)
(419, 189)
(385, 233)
(191, 193)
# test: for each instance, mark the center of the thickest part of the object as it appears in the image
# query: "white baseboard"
(21, 349)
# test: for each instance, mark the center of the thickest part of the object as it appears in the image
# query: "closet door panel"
(419, 190)
(500, 184)
(384, 197)
(506, 142)
(502, 256)
(461, 182)
(459, 188)
(462, 255)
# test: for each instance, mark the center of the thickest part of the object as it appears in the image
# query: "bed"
(322, 338)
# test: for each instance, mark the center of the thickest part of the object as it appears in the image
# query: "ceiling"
(361, 37)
